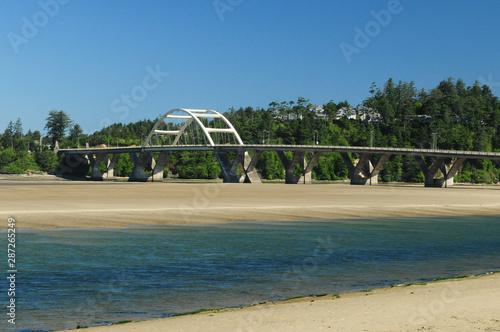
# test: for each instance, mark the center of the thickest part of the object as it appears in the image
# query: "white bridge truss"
(185, 117)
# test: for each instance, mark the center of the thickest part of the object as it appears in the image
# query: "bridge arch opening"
(183, 126)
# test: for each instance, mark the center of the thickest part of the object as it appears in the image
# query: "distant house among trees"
(345, 112)
(363, 113)
(319, 112)
(287, 117)
(368, 115)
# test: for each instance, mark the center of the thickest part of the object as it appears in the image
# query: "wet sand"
(49, 205)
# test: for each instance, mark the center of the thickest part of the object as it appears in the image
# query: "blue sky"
(122, 61)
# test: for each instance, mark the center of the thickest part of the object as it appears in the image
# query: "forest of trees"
(450, 116)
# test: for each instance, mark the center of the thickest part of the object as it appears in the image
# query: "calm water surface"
(93, 277)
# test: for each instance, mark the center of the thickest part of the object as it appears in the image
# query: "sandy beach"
(49, 205)
(453, 305)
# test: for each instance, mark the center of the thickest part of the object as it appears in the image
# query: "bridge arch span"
(192, 117)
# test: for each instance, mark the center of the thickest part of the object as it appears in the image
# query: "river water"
(91, 277)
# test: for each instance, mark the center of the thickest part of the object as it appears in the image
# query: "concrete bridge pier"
(140, 162)
(307, 177)
(290, 177)
(249, 164)
(110, 165)
(364, 173)
(157, 167)
(95, 162)
(298, 159)
(448, 171)
(229, 169)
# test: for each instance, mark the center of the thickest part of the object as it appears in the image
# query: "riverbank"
(64, 204)
(464, 304)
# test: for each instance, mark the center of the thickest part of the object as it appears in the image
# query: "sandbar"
(65, 204)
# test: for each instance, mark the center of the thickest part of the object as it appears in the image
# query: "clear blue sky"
(82, 56)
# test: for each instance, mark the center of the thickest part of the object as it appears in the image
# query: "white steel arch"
(192, 115)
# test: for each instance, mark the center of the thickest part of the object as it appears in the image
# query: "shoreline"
(129, 227)
(436, 305)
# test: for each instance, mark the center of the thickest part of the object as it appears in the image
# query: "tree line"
(450, 116)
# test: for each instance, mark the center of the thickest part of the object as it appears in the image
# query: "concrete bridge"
(192, 127)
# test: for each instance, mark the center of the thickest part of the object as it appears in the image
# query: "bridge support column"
(308, 169)
(95, 162)
(110, 164)
(238, 160)
(298, 158)
(380, 164)
(249, 163)
(449, 172)
(430, 173)
(159, 166)
(140, 163)
(364, 173)
(228, 168)
(289, 166)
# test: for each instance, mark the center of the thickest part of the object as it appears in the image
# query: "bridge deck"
(292, 148)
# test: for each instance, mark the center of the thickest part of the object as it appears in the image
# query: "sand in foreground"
(91, 205)
(470, 304)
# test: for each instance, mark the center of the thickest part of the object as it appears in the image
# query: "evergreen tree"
(75, 131)
(18, 129)
(57, 124)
